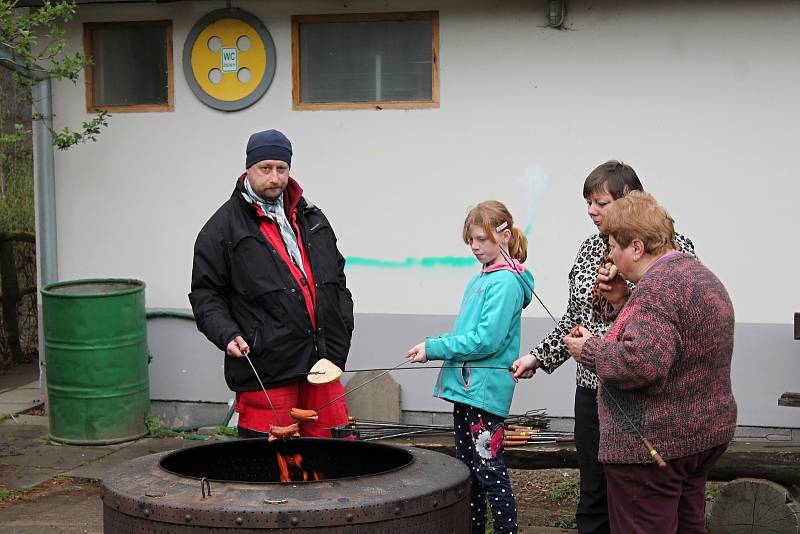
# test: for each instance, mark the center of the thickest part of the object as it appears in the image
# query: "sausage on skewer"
(283, 432)
(304, 415)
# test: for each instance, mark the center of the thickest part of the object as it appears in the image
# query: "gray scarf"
(275, 211)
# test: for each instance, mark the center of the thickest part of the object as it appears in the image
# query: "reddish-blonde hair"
(490, 215)
(637, 215)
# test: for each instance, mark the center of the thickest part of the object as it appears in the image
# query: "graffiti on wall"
(533, 179)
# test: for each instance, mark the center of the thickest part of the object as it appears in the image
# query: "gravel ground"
(545, 497)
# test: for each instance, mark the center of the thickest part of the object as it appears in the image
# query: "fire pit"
(336, 485)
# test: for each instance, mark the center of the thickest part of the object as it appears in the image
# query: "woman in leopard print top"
(587, 307)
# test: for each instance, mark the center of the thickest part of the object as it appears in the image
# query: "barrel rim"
(48, 290)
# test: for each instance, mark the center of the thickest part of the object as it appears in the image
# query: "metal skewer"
(360, 386)
(274, 412)
(509, 368)
(649, 446)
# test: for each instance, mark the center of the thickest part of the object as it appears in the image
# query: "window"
(372, 60)
(132, 66)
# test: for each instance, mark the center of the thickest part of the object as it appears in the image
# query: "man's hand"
(416, 354)
(614, 289)
(575, 344)
(237, 348)
(525, 367)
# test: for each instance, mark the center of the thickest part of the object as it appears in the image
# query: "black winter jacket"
(241, 286)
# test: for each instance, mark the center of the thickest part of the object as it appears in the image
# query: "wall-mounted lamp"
(555, 11)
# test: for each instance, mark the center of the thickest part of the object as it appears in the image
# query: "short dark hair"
(617, 177)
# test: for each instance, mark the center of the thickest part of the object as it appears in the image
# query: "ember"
(291, 469)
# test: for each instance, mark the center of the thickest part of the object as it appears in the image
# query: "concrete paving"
(28, 459)
(19, 390)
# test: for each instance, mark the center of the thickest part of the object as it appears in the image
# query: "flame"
(291, 468)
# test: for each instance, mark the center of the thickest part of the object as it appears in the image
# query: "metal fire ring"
(428, 492)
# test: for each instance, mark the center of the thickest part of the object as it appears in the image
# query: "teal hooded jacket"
(486, 334)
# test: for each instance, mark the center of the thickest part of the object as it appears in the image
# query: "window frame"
(88, 50)
(297, 20)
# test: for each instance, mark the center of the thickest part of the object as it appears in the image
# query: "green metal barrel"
(95, 339)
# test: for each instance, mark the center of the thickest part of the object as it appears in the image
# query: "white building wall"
(700, 97)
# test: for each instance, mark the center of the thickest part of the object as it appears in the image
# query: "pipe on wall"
(44, 173)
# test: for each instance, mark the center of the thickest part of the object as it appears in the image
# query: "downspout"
(44, 172)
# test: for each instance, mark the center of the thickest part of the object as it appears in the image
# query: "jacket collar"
(515, 266)
(291, 195)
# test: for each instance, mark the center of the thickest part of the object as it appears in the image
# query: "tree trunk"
(10, 296)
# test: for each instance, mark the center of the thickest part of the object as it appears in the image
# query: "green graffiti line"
(427, 262)
(533, 178)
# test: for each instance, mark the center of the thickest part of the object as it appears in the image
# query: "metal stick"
(414, 368)
(396, 435)
(275, 413)
(649, 446)
(524, 282)
(359, 386)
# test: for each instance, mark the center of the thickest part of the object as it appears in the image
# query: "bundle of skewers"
(527, 429)
(532, 428)
(366, 430)
(532, 418)
(517, 435)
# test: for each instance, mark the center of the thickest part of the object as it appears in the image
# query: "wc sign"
(229, 60)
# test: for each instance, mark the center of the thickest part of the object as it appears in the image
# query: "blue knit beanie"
(270, 144)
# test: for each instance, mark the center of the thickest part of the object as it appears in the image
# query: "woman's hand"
(417, 354)
(575, 344)
(611, 285)
(525, 367)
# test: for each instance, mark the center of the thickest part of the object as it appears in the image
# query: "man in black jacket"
(268, 281)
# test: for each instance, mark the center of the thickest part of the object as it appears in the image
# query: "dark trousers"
(479, 444)
(592, 514)
(646, 499)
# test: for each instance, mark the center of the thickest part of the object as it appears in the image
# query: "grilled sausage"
(283, 432)
(304, 415)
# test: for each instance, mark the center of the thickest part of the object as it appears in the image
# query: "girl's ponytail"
(518, 245)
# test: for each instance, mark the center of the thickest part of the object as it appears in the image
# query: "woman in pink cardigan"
(665, 373)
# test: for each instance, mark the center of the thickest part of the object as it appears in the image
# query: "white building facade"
(699, 97)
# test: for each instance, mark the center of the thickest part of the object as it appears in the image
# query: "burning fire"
(291, 467)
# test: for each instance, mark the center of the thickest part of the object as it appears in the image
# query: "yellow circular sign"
(229, 59)
(225, 44)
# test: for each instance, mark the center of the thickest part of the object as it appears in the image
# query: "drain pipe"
(43, 170)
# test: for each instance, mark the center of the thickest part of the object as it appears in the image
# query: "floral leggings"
(479, 444)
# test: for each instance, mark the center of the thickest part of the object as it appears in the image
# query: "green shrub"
(16, 188)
